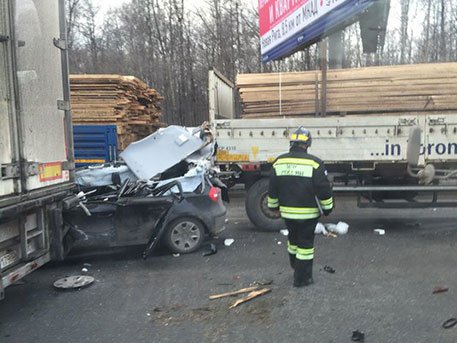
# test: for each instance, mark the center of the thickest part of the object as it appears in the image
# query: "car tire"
(184, 235)
(257, 210)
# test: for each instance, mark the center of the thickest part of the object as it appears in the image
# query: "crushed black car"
(177, 200)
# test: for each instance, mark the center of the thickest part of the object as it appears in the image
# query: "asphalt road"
(382, 286)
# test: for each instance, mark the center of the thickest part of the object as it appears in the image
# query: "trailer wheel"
(256, 207)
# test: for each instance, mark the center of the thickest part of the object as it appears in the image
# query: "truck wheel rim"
(185, 235)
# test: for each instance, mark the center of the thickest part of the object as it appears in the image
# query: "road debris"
(72, 282)
(329, 269)
(250, 296)
(284, 232)
(229, 294)
(211, 251)
(228, 242)
(279, 242)
(262, 283)
(320, 229)
(450, 323)
(380, 232)
(331, 230)
(358, 336)
(176, 255)
(440, 289)
(84, 270)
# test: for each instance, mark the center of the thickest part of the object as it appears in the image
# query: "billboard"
(288, 25)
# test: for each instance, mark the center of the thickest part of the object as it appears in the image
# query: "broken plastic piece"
(228, 242)
(212, 250)
(284, 232)
(84, 270)
(450, 323)
(320, 229)
(329, 269)
(77, 281)
(380, 232)
(357, 336)
(176, 255)
(439, 289)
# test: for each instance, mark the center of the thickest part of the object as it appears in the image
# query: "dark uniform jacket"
(299, 186)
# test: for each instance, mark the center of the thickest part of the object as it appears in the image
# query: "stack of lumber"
(124, 101)
(375, 90)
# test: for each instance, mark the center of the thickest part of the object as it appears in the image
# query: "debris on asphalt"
(211, 251)
(176, 255)
(284, 232)
(228, 242)
(341, 228)
(72, 282)
(262, 283)
(250, 296)
(320, 229)
(148, 314)
(229, 294)
(358, 336)
(329, 269)
(440, 289)
(450, 323)
(380, 232)
(84, 270)
(330, 234)
(279, 242)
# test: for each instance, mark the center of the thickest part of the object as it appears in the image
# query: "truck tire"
(257, 210)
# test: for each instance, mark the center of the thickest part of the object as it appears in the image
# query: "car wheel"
(257, 209)
(184, 235)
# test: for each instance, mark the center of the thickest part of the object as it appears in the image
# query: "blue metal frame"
(95, 144)
(342, 16)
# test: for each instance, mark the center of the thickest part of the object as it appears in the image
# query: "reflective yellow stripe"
(299, 210)
(272, 203)
(326, 204)
(326, 201)
(289, 169)
(292, 249)
(305, 254)
(294, 216)
(302, 161)
(299, 137)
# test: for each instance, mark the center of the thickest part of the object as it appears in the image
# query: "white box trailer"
(36, 153)
(364, 154)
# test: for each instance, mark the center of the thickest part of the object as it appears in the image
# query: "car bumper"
(217, 224)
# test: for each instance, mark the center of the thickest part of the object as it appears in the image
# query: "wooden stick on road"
(229, 294)
(252, 295)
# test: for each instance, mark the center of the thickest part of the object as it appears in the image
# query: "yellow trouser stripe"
(305, 254)
(292, 249)
(301, 161)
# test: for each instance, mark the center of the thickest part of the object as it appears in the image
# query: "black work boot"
(292, 260)
(303, 275)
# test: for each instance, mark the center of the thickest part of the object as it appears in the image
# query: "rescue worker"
(300, 189)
